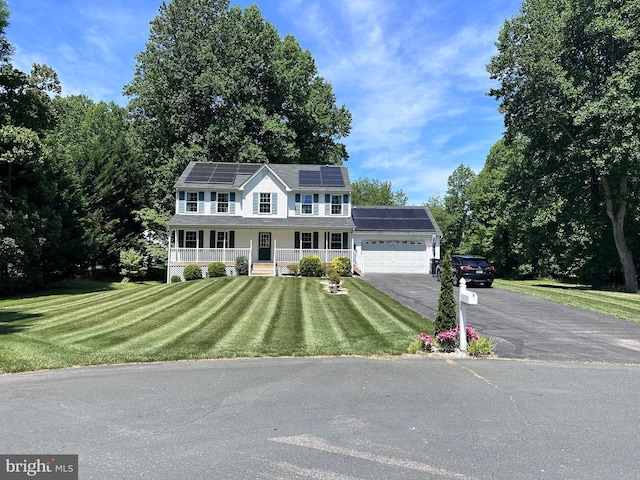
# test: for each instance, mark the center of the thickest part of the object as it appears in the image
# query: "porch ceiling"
(228, 221)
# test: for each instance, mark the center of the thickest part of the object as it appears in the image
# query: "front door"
(264, 249)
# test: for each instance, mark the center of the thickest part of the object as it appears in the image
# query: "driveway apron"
(525, 327)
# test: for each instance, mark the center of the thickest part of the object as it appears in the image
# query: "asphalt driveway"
(525, 327)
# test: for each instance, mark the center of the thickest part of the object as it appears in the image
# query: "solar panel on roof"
(200, 173)
(309, 178)
(331, 176)
(210, 172)
(391, 219)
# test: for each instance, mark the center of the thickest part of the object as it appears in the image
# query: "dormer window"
(265, 203)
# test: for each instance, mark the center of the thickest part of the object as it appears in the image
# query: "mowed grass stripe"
(231, 309)
(148, 320)
(323, 333)
(393, 316)
(176, 324)
(60, 302)
(99, 309)
(285, 329)
(256, 308)
(120, 317)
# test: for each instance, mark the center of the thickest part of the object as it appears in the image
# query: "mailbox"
(468, 297)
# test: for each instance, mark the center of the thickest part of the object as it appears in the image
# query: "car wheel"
(489, 284)
(456, 281)
(438, 272)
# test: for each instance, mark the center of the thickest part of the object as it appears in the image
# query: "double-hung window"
(336, 204)
(305, 241)
(192, 201)
(222, 240)
(265, 203)
(336, 241)
(306, 205)
(223, 203)
(191, 239)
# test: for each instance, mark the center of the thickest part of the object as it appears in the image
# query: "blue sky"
(412, 72)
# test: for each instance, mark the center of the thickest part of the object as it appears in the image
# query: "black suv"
(473, 268)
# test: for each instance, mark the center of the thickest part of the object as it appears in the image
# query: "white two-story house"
(275, 214)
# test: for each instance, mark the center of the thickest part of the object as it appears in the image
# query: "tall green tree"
(31, 221)
(93, 142)
(569, 76)
(456, 203)
(219, 84)
(367, 191)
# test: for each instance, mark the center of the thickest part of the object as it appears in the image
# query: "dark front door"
(264, 246)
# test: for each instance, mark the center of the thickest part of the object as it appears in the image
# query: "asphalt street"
(331, 418)
(561, 402)
(525, 327)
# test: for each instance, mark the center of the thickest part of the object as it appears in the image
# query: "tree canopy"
(219, 84)
(569, 74)
(367, 191)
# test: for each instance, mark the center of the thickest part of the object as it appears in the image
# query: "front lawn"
(213, 318)
(616, 304)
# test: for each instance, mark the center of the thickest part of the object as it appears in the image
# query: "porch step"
(262, 270)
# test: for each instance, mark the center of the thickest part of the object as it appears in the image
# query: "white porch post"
(275, 249)
(250, 253)
(169, 256)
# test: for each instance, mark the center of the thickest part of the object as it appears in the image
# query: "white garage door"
(394, 256)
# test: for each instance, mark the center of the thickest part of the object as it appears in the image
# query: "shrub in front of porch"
(311, 266)
(192, 272)
(242, 265)
(342, 265)
(216, 269)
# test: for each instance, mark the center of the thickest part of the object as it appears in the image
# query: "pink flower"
(426, 338)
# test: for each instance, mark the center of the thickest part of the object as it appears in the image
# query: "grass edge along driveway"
(614, 303)
(213, 318)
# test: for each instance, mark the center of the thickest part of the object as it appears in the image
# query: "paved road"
(330, 418)
(524, 326)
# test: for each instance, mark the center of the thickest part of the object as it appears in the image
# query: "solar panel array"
(325, 177)
(226, 173)
(372, 218)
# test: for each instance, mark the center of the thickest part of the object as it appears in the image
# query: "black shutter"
(297, 198)
(180, 238)
(316, 198)
(232, 197)
(181, 195)
(200, 238)
(315, 239)
(345, 240)
(232, 239)
(212, 239)
(213, 196)
(296, 240)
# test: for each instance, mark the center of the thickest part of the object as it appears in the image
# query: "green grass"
(91, 324)
(616, 304)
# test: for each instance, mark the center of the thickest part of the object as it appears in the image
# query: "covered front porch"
(268, 251)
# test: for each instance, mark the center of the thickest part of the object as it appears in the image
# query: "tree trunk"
(617, 222)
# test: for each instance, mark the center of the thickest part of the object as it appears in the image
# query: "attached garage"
(390, 256)
(394, 239)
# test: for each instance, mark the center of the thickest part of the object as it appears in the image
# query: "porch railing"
(293, 255)
(208, 255)
(229, 255)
